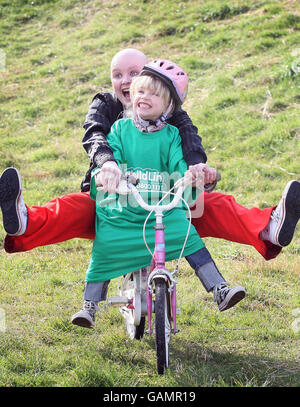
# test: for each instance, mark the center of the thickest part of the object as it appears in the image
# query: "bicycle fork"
(158, 270)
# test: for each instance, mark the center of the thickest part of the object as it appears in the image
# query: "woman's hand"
(203, 171)
(109, 177)
(210, 174)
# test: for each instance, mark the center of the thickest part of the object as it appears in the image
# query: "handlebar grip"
(211, 186)
(131, 179)
(125, 179)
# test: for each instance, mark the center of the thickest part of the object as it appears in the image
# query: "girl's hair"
(155, 85)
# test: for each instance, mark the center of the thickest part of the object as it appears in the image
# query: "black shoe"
(86, 316)
(14, 211)
(227, 297)
(284, 218)
(292, 213)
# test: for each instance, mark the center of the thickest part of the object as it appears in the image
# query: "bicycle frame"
(135, 300)
(158, 269)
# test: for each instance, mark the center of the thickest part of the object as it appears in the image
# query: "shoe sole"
(233, 298)
(12, 177)
(83, 322)
(291, 213)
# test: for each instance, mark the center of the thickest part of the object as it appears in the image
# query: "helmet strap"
(150, 126)
(167, 113)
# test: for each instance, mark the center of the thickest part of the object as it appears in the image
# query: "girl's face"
(148, 104)
(123, 69)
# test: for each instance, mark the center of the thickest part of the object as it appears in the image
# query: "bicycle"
(152, 289)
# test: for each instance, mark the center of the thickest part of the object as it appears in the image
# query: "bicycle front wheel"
(162, 325)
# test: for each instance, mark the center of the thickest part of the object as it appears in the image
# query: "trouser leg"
(225, 219)
(96, 291)
(67, 217)
(205, 269)
(212, 280)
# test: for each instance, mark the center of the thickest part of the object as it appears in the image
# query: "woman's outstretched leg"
(267, 230)
(69, 216)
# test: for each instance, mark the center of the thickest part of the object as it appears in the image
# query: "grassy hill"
(243, 59)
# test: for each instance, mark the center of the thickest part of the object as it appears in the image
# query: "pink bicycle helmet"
(172, 75)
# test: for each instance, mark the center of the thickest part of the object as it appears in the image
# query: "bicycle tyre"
(162, 325)
(139, 329)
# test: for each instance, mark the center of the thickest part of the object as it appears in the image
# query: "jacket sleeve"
(193, 151)
(178, 166)
(114, 139)
(100, 117)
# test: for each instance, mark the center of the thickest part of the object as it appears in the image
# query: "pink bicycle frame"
(158, 264)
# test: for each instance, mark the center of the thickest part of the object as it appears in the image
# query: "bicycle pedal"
(117, 301)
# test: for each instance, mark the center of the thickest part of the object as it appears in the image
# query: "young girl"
(151, 147)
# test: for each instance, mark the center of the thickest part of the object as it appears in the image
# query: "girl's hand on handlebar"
(109, 177)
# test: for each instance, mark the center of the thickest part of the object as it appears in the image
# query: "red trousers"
(73, 216)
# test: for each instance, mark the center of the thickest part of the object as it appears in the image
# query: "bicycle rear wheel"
(134, 320)
(139, 329)
(162, 325)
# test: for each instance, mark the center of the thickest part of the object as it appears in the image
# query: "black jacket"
(105, 110)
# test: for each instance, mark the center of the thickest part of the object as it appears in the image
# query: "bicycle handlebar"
(128, 184)
(211, 186)
(161, 208)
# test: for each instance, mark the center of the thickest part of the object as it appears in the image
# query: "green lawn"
(243, 60)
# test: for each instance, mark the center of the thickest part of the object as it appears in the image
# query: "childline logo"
(2, 320)
(2, 60)
(153, 185)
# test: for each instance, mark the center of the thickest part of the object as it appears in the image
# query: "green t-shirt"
(157, 159)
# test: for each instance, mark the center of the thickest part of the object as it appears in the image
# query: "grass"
(244, 97)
